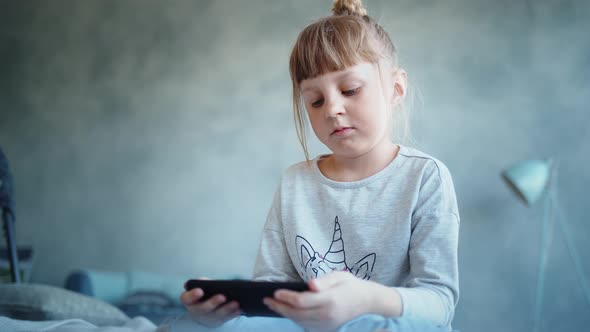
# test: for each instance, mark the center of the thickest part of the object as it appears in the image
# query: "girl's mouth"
(344, 131)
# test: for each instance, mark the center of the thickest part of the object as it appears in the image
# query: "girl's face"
(350, 110)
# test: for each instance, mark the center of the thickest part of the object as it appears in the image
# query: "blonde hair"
(335, 43)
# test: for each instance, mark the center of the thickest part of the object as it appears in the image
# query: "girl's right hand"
(212, 312)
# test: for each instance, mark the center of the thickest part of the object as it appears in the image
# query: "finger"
(227, 309)
(192, 296)
(207, 306)
(328, 281)
(288, 311)
(301, 300)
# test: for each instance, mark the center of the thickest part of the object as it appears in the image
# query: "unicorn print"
(314, 265)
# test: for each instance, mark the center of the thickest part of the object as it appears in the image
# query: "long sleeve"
(431, 291)
(273, 262)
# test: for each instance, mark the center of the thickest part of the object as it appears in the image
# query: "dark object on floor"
(25, 256)
(7, 214)
(156, 306)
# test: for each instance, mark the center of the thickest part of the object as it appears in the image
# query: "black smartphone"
(247, 293)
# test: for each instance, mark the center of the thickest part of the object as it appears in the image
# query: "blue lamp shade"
(528, 179)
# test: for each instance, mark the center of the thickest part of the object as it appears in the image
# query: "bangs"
(332, 44)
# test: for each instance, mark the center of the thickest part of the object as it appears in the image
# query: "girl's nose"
(334, 107)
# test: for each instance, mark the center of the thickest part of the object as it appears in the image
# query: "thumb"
(328, 281)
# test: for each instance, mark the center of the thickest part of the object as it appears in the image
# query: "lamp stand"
(561, 222)
(552, 211)
(546, 238)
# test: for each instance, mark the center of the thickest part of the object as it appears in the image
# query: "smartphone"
(249, 294)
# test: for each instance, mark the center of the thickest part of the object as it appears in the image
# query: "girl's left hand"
(333, 300)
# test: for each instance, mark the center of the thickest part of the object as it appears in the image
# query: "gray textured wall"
(151, 136)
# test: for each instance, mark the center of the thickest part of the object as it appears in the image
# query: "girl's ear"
(400, 85)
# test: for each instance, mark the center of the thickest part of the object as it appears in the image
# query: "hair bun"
(349, 7)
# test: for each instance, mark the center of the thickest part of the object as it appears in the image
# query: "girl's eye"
(351, 92)
(318, 102)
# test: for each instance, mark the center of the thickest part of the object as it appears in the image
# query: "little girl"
(373, 226)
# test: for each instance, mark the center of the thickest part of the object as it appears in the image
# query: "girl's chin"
(348, 153)
(351, 151)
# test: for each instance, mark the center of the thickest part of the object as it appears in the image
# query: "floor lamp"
(530, 180)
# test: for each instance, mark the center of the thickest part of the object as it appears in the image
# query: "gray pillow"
(41, 302)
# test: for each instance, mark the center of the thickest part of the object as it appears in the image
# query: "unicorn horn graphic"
(336, 257)
(313, 264)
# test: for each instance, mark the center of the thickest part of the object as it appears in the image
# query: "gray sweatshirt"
(398, 227)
